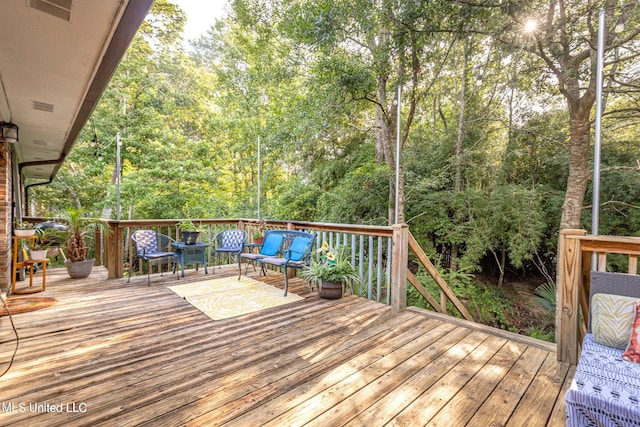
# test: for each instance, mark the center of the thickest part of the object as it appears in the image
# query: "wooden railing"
(379, 253)
(575, 254)
(446, 294)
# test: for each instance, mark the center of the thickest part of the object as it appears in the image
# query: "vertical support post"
(259, 177)
(400, 258)
(568, 295)
(398, 154)
(111, 251)
(119, 251)
(115, 252)
(98, 246)
(118, 173)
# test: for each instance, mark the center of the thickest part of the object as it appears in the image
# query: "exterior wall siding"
(6, 203)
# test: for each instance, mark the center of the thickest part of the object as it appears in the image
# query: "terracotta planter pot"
(330, 290)
(79, 269)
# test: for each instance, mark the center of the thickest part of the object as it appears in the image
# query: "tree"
(565, 40)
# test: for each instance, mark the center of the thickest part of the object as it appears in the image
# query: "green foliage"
(487, 305)
(546, 296)
(360, 197)
(295, 200)
(541, 334)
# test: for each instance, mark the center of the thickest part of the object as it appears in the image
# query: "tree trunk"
(579, 160)
(386, 120)
(502, 265)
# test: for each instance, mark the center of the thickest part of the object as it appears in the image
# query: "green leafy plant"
(258, 229)
(188, 225)
(78, 228)
(546, 296)
(22, 226)
(333, 266)
(48, 237)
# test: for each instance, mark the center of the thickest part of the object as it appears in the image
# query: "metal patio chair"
(153, 247)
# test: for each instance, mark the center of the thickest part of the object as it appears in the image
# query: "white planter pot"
(38, 254)
(24, 233)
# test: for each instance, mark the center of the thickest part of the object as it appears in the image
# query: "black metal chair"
(153, 247)
(229, 242)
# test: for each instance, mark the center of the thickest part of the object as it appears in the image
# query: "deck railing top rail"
(375, 230)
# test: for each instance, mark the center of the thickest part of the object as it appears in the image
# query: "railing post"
(115, 254)
(399, 262)
(568, 295)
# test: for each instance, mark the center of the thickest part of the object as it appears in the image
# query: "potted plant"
(39, 248)
(48, 242)
(189, 232)
(77, 250)
(332, 273)
(23, 229)
(258, 232)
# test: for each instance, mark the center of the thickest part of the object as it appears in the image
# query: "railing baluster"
(388, 268)
(370, 271)
(602, 261)
(379, 270)
(361, 263)
(353, 249)
(633, 264)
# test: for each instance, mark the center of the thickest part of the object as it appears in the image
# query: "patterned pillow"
(232, 239)
(632, 353)
(146, 242)
(612, 319)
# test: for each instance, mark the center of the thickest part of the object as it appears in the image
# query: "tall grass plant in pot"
(76, 248)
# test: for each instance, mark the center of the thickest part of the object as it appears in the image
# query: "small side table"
(191, 254)
(27, 263)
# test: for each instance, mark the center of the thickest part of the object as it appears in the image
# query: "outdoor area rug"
(21, 305)
(230, 297)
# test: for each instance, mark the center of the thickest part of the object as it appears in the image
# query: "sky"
(200, 15)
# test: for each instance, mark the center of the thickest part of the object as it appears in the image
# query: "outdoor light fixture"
(9, 132)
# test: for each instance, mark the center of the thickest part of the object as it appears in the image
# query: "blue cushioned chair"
(152, 247)
(229, 242)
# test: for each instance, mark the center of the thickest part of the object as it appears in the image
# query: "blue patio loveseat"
(284, 249)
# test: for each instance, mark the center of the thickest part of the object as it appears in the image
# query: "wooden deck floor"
(131, 354)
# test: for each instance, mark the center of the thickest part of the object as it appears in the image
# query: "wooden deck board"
(140, 355)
